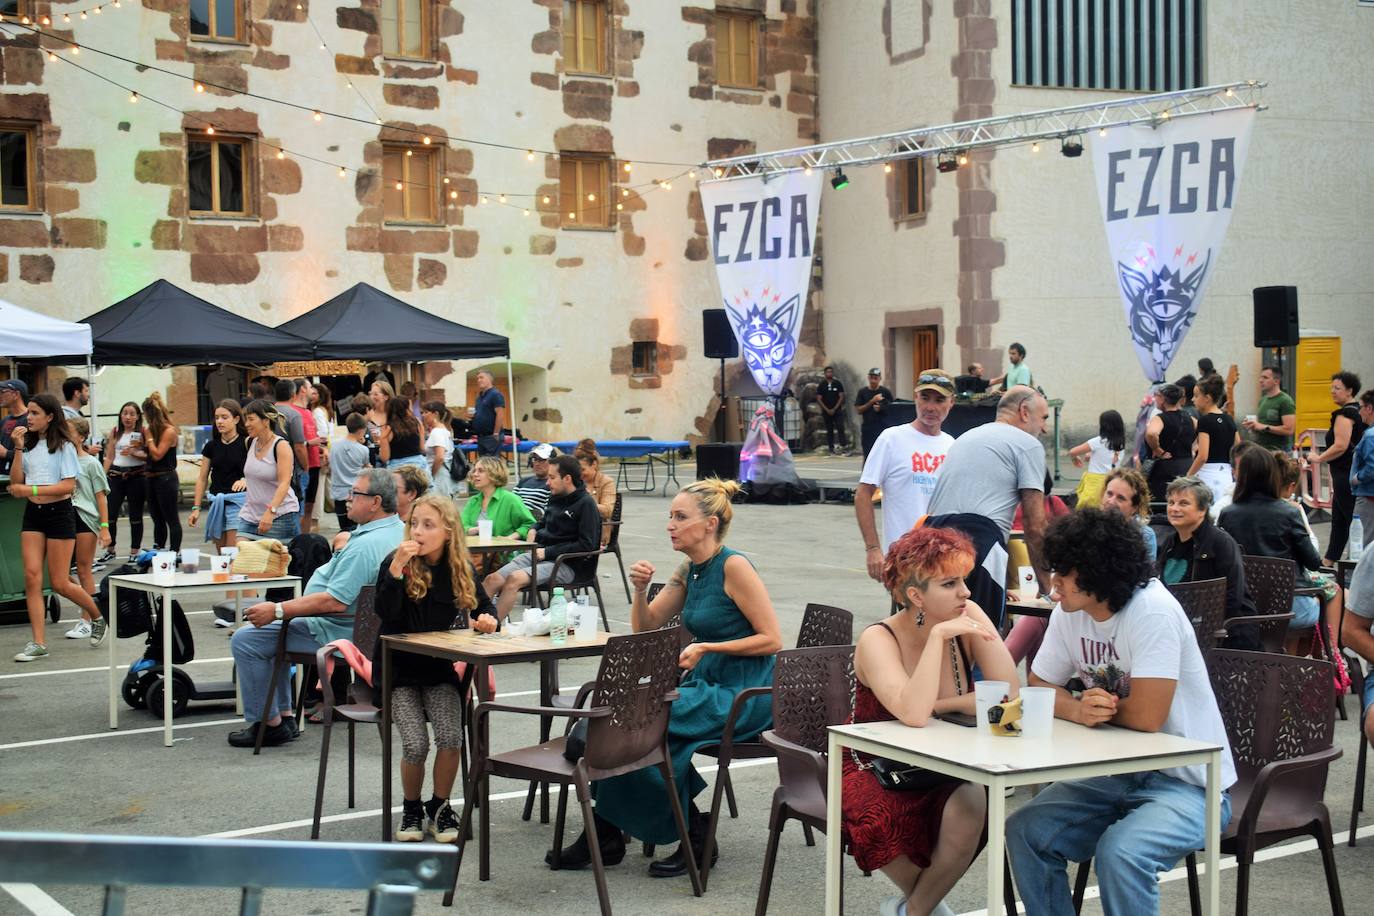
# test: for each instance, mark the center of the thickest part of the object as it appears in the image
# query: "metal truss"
(1007, 130)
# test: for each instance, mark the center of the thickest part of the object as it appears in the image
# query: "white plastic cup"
(1027, 584)
(190, 559)
(164, 567)
(987, 694)
(1037, 712)
(484, 531)
(230, 552)
(588, 621)
(219, 568)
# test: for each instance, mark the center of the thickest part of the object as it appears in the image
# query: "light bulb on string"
(1230, 92)
(446, 179)
(591, 198)
(96, 11)
(572, 216)
(1164, 115)
(546, 198)
(1102, 132)
(502, 198)
(47, 21)
(1035, 147)
(453, 195)
(133, 97)
(399, 186)
(627, 166)
(76, 49)
(526, 211)
(529, 155)
(210, 130)
(52, 56)
(83, 14)
(281, 154)
(887, 168)
(342, 172)
(409, 153)
(719, 172)
(620, 206)
(425, 141)
(624, 192)
(200, 87)
(692, 174)
(116, 4)
(808, 170)
(66, 18)
(317, 116)
(25, 20)
(667, 185)
(485, 199)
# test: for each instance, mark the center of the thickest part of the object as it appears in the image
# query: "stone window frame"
(249, 142)
(606, 221)
(436, 170)
(429, 47)
(241, 25)
(643, 358)
(21, 8)
(34, 203)
(755, 21)
(605, 67)
(902, 175)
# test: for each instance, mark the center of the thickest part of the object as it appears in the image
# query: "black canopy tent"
(163, 325)
(365, 323)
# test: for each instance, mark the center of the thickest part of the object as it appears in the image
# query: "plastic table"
(660, 450)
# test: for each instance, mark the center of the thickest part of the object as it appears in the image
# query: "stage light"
(946, 162)
(1071, 147)
(962, 159)
(839, 182)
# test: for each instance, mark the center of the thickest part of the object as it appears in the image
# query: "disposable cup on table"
(1027, 584)
(484, 531)
(588, 623)
(164, 569)
(219, 568)
(986, 695)
(1037, 711)
(190, 559)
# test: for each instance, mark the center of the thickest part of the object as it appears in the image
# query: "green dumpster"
(12, 564)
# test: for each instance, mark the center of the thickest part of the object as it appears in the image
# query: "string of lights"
(318, 113)
(502, 198)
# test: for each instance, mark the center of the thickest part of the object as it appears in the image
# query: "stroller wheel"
(135, 688)
(54, 609)
(181, 694)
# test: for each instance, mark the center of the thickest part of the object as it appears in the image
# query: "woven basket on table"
(265, 559)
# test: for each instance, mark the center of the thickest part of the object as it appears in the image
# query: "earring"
(921, 618)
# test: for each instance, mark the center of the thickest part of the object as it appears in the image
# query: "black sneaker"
(276, 735)
(412, 829)
(106, 557)
(294, 726)
(443, 826)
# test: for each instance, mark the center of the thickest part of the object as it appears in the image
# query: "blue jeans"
(1134, 826)
(254, 649)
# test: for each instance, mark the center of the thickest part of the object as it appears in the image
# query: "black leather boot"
(579, 854)
(676, 864)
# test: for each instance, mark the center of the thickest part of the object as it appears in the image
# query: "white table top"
(203, 579)
(1070, 745)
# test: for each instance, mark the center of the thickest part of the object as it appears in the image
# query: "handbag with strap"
(264, 559)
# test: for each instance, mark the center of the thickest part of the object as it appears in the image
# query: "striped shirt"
(534, 493)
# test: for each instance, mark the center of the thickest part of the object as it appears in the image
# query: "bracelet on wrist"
(104, 524)
(35, 489)
(871, 547)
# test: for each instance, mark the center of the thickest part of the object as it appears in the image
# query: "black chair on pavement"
(357, 708)
(279, 668)
(812, 690)
(1359, 671)
(627, 730)
(613, 545)
(581, 582)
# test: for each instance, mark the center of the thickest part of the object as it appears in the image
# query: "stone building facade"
(482, 150)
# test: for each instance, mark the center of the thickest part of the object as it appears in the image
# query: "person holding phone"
(872, 403)
(912, 666)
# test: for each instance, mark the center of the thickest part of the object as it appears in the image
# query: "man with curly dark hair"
(1123, 637)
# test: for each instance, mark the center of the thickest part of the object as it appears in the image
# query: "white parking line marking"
(34, 900)
(102, 668)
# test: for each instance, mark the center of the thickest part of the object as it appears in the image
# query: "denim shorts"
(285, 527)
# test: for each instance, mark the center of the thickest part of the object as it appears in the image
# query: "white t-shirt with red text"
(904, 464)
(1148, 638)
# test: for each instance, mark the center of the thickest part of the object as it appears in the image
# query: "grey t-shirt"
(293, 428)
(1360, 598)
(985, 470)
(346, 460)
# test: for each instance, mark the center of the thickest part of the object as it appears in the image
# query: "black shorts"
(83, 528)
(312, 485)
(56, 521)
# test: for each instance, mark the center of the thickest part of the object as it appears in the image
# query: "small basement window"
(644, 358)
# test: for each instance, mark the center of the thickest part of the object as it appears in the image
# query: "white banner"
(762, 235)
(1166, 195)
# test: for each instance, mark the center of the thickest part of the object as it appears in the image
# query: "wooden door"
(925, 351)
(1318, 359)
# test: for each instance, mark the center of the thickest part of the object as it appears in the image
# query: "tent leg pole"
(90, 381)
(510, 409)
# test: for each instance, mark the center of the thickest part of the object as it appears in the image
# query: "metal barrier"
(1314, 480)
(393, 874)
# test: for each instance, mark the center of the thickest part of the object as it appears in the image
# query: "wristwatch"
(278, 612)
(271, 510)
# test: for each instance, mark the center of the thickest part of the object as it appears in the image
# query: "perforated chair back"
(616, 515)
(823, 625)
(1270, 582)
(638, 674)
(366, 623)
(1204, 601)
(654, 589)
(812, 690)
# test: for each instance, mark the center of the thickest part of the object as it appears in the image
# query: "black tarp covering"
(367, 324)
(163, 325)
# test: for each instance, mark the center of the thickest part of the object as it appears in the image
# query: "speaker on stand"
(718, 341)
(1276, 327)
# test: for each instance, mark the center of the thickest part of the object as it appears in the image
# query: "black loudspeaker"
(718, 459)
(717, 336)
(1276, 316)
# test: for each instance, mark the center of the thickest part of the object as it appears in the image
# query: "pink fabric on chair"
(362, 665)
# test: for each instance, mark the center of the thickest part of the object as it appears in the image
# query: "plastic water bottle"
(1356, 539)
(558, 618)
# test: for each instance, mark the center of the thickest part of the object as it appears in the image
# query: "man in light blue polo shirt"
(323, 614)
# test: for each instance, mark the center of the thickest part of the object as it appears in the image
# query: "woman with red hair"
(916, 664)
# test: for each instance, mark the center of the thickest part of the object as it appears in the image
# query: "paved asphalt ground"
(62, 769)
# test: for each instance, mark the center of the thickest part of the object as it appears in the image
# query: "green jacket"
(509, 516)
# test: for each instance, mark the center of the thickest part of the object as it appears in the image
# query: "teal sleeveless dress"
(637, 802)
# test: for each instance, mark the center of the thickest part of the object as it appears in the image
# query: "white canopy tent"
(31, 335)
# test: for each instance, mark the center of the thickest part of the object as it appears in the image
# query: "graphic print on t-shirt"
(1097, 667)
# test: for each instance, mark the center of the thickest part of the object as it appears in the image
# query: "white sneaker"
(82, 630)
(891, 906)
(224, 624)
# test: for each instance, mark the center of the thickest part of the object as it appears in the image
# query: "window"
(585, 186)
(17, 174)
(911, 187)
(737, 50)
(644, 358)
(1135, 45)
(14, 8)
(411, 192)
(217, 20)
(217, 176)
(405, 28)
(584, 36)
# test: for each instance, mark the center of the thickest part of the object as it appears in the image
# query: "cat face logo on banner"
(767, 337)
(761, 234)
(1166, 192)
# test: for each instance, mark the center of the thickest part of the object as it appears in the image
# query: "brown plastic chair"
(812, 690)
(822, 625)
(358, 707)
(1279, 722)
(627, 730)
(580, 583)
(613, 545)
(1204, 601)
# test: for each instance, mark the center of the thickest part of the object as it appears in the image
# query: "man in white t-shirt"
(1122, 639)
(904, 463)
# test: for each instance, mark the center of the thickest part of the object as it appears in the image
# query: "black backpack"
(183, 643)
(457, 466)
(135, 608)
